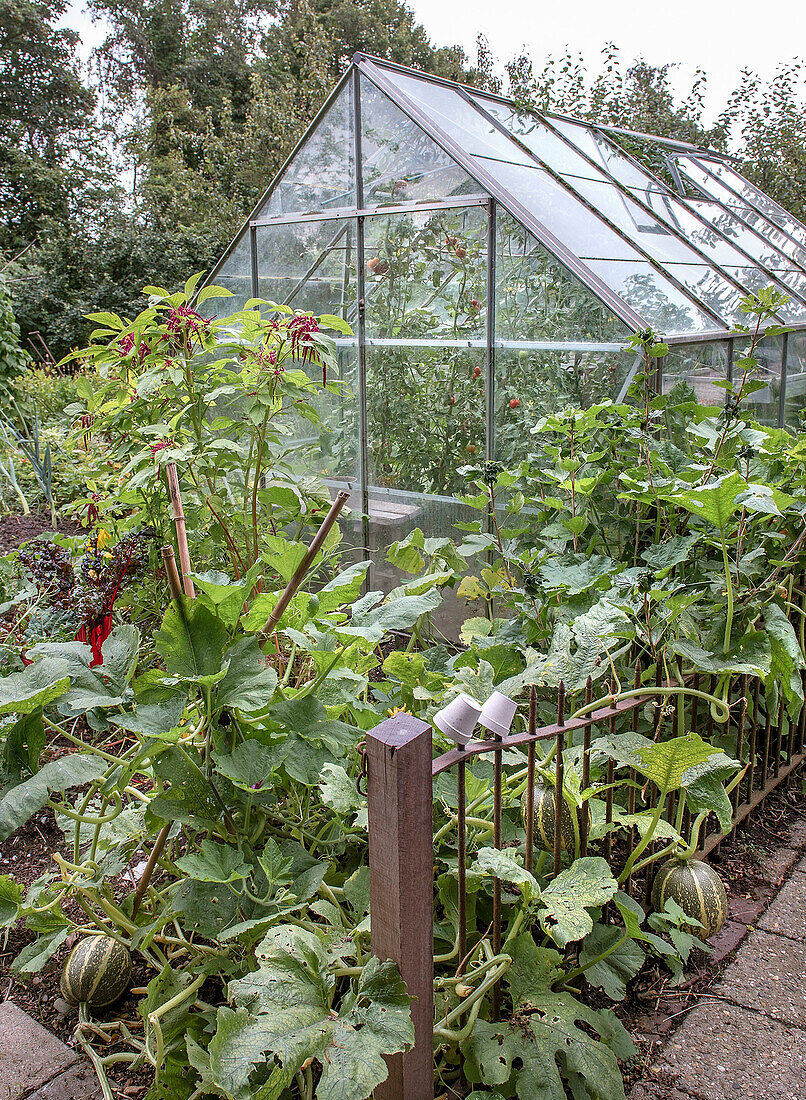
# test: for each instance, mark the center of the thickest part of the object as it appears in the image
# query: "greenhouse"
(493, 265)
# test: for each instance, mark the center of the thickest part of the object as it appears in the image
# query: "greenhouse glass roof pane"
(751, 193)
(708, 286)
(665, 308)
(660, 235)
(608, 155)
(643, 228)
(399, 161)
(728, 223)
(459, 119)
(753, 279)
(321, 175)
(560, 211)
(540, 140)
(581, 229)
(795, 280)
(760, 222)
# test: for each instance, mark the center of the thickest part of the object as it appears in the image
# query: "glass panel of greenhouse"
(493, 264)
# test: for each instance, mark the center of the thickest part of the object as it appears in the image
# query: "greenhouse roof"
(686, 251)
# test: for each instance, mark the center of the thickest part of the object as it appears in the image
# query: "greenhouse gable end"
(493, 264)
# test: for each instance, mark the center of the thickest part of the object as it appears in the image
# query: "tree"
(46, 121)
(771, 125)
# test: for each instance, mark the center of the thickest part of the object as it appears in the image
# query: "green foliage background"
(139, 166)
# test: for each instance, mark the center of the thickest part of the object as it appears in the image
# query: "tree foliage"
(141, 168)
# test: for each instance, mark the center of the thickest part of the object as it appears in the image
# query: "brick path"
(747, 1037)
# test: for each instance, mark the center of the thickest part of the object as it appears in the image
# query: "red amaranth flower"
(300, 329)
(165, 443)
(126, 346)
(186, 321)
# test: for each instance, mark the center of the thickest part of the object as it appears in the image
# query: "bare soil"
(15, 530)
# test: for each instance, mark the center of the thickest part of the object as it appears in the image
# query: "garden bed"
(754, 862)
(15, 530)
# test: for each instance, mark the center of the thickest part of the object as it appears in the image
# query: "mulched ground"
(15, 530)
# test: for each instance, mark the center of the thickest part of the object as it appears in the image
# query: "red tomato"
(514, 403)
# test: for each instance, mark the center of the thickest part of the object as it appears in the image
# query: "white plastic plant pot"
(498, 713)
(459, 718)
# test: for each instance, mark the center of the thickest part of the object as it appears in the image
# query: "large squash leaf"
(394, 613)
(586, 884)
(283, 1012)
(191, 640)
(787, 660)
(670, 764)
(544, 1042)
(714, 502)
(249, 683)
(31, 689)
(101, 687)
(58, 775)
(750, 656)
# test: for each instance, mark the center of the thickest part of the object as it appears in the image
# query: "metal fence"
(401, 772)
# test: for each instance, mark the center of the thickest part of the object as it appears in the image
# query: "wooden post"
(401, 885)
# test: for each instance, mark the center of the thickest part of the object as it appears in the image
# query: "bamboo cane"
(181, 529)
(307, 561)
(171, 572)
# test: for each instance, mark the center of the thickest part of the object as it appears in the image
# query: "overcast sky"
(720, 36)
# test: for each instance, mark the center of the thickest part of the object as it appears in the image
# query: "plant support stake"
(307, 561)
(181, 531)
(171, 572)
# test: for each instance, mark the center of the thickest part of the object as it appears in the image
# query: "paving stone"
(787, 913)
(796, 834)
(767, 975)
(724, 1052)
(29, 1055)
(77, 1083)
(651, 1090)
(776, 866)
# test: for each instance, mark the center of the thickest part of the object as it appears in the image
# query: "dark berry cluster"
(100, 573)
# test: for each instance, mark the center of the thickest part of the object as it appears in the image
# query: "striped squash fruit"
(98, 971)
(544, 820)
(697, 889)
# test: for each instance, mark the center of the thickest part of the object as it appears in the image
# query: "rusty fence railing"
(401, 771)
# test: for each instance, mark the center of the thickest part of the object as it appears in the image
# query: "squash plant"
(239, 746)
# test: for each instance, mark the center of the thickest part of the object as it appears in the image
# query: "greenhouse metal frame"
(455, 231)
